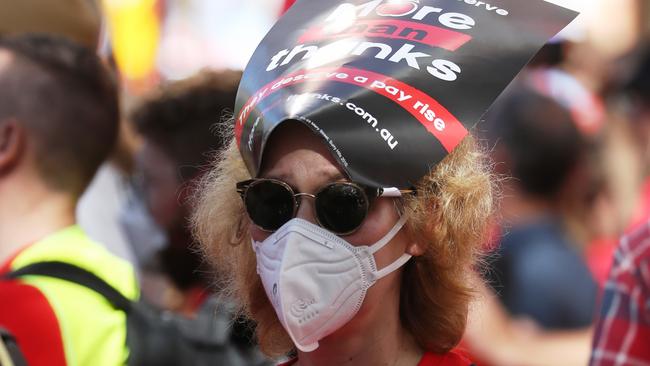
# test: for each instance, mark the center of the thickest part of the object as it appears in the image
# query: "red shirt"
(32, 321)
(429, 359)
(623, 328)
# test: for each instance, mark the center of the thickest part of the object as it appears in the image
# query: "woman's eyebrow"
(329, 175)
(335, 176)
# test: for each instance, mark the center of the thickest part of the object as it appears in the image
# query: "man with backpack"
(65, 299)
(58, 122)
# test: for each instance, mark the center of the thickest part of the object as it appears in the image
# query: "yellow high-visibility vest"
(93, 332)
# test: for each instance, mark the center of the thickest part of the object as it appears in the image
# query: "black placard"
(391, 86)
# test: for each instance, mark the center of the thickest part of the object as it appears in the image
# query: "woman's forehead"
(294, 150)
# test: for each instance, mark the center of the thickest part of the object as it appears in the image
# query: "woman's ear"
(415, 249)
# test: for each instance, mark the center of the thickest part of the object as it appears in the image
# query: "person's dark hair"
(66, 100)
(541, 141)
(638, 84)
(179, 118)
(551, 55)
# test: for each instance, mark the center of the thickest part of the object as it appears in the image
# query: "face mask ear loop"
(389, 236)
(383, 241)
(393, 266)
(255, 245)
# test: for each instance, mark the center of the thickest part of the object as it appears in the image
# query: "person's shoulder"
(71, 245)
(451, 358)
(635, 244)
(545, 256)
(632, 258)
(65, 308)
(28, 314)
(22, 298)
(543, 235)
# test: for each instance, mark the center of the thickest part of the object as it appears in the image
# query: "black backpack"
(155, 337)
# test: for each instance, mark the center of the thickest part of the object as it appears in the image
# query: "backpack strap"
(10, 354)
(153, 337)
(71, 273)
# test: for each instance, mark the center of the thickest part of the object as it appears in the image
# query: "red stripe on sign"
(393, 29)
(431, 114)
(261, 94)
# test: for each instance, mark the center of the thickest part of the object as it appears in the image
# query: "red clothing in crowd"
(31, 319)
(287, 5)
(623, 326)
(429, 359)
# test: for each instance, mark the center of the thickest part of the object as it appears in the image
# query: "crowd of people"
(154, 229)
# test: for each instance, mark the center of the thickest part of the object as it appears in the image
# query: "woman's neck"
(383, 342)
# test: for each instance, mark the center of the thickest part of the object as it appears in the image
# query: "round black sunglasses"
(340, 207)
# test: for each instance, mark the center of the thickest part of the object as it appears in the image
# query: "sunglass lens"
(341, 208)
(269, 204)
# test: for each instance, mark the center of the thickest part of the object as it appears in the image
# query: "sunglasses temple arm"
(391, 192)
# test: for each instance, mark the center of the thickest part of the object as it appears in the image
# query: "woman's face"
(299, 157)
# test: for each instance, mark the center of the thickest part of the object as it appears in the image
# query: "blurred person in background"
(58, 123)
(572, 71)
(542, 305)
(495, 337)
(634, 98)
(540, 311)
(596, 215)
(82, 21)
(623, 322)
(175, 124)
(538, 270)
(623, 326)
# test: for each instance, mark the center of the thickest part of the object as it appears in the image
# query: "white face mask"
(317, 281)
